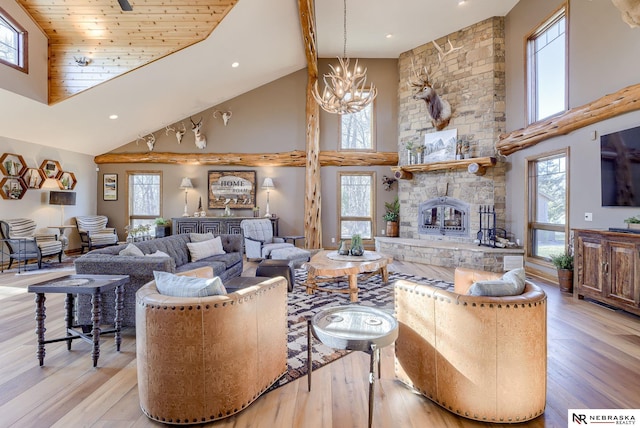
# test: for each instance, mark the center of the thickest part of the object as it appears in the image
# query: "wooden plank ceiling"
(116, 42)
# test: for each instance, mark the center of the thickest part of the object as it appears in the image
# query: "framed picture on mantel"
(110, 187)
(233, 189)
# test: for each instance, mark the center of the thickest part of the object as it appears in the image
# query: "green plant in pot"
(356, 245)
(391, 216)
(163, 227)
(564, 264)
(633, 222)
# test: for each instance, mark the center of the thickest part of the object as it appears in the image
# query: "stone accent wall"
(472, 80)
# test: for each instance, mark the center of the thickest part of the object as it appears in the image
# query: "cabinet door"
(590, 263)
(622, 270)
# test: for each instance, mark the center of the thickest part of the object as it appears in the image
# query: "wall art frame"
(233, 189)
(110, 187)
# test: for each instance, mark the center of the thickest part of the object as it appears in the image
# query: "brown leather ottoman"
(272, 268)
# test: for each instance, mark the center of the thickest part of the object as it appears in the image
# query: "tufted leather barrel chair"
(206, 358)
(483, 358)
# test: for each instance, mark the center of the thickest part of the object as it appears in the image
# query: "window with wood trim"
(547, 68)
(144, 197)
(548, 204)
(13, 43)
(357, 130)
(356, 204)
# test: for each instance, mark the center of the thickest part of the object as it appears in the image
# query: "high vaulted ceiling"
(264, 36)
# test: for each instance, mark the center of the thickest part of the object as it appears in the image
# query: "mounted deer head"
(630, 10)
(225, 116)
(439, 110)
(201, 140)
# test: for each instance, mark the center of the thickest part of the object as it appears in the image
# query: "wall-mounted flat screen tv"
(620, 168)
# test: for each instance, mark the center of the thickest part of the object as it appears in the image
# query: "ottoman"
(292, 254)
(239, 282)
(272, 268)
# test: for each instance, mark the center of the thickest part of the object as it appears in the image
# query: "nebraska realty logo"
(582, 417)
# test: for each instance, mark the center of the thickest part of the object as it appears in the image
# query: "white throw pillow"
(158, 253)
(131, 250)
(204, 249)
(199, 237)
(187, 286)
(511, 284)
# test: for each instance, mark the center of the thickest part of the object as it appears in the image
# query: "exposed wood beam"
(312, 200)
(296, 158)
(622, 101)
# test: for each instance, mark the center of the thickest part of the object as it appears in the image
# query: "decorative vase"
(392, 229)
(343, 250)
(565, 280)
(227, 211)
(357, 250)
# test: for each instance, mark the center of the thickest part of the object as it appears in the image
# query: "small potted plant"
(391, 216)
(356, 245)
(564, 263)
(163, 227)
(633, 222)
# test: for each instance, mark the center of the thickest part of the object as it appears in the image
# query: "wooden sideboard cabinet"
(215, 225)
(607, 268)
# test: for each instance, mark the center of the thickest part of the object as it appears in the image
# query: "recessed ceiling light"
(113, 116)
(462, 2)
(235, 64)
(388, 36)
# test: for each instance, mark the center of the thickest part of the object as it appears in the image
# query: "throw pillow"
(158, 253)
(511, 284)
(204, 249)
(187, 286)
(131, 250)
(199, 237)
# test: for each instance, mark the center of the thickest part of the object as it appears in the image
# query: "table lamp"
(186, 185)
(268, 184)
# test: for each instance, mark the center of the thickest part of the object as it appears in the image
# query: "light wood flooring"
(593, 362)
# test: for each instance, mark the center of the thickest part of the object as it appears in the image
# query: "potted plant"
(163, 227)
(564, 264)
(391, 216)
(633, 222)
(356, 245)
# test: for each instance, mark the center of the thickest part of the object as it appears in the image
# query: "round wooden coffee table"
(326, 266)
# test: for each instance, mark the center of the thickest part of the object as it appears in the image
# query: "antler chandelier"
(345, 91)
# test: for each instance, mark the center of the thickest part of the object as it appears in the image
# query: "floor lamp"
(268, 184)
(62, 199)
(186, 185)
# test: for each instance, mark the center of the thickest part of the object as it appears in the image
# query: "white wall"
(35, 203)
(602, 60)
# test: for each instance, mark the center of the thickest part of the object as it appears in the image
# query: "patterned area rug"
(301, 306)
(49, 264)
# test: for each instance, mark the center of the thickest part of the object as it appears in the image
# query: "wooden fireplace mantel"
(405, 172)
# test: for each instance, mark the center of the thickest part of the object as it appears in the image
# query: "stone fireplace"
(439, 206)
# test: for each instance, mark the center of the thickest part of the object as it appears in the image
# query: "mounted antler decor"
(226, 116)
(149, 139)
(439, 110)
(630, 10)
(201, 140)
(179, 132)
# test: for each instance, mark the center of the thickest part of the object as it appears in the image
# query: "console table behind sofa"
(215, 225)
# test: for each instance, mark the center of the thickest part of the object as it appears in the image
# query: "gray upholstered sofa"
(140, 269)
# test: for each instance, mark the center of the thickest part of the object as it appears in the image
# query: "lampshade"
(268, 183)
(62, 198)
(186, 183)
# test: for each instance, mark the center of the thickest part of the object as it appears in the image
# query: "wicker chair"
(94, 232)
(25, 244)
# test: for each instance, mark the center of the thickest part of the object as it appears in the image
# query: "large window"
(548, 209)
(13, 43)
(356, 194)
(356, 130)
(144, 196)
(547, 68)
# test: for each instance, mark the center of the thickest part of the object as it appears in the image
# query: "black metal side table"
(355, 328)
(94, 285)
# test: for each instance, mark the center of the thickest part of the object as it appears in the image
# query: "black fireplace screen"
(443, 216)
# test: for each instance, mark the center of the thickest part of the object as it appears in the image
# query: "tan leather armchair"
(483, 358)
(203, 359)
